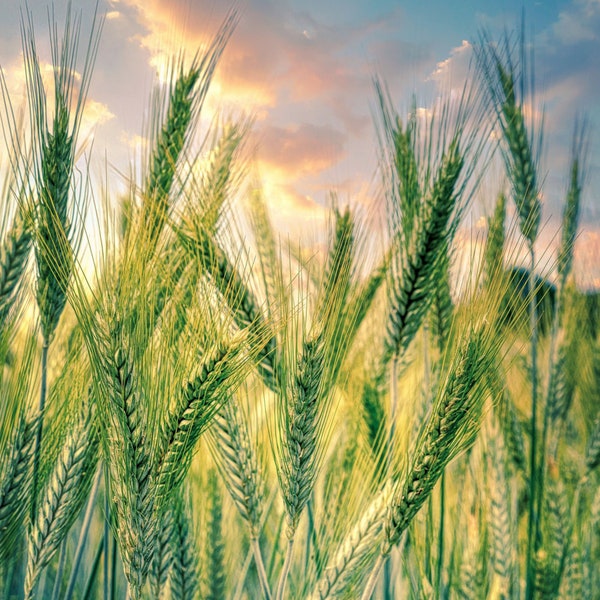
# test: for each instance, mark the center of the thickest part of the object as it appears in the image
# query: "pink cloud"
(300, 149)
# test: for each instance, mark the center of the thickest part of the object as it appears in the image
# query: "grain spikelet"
(502, 82)
(13, 258)
(163, 555)
(570, 221)
(186, 98)
(183, 576)
(500, 518)
(494, 244)
(214, 576)
(415, 277)
(239, 465)
(15, 483)
(63, 497)
(356, 549)
(196, 405)
(449, 429)
(297, 468)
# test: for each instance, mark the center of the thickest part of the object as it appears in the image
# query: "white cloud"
(578, 23)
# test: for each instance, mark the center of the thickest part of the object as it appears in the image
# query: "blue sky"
(304, 71)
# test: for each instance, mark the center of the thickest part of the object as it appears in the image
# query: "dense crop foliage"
(211, 412)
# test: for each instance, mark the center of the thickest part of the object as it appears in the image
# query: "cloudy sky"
(303, 69)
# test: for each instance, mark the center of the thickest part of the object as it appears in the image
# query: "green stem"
(85, 527)
(7, 573)
(91, 581)
(532, 526)
(113, 569)
(106, 568)
(287, 563)
(241, 583)
(387, 565)
(546, 424)
(440, 556)
(309, 534)
(260, 568)
(274, 552)
(373, 577)
(38, 433)
(62, 559)
(388, 592)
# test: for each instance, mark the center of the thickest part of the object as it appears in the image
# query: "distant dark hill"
(516, 300)
(591, 311)
(516, 303)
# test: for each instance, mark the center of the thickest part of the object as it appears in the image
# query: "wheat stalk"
(410, 296)
(162, 560)
(451, 427)
(61, 501)
(15, 483)
(14, 255)
(197, 403)
(238, 296)
(183, 576)
(356, 549)
(181, 114)
(215, 576)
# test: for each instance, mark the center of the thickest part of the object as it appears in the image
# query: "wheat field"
(212, 411)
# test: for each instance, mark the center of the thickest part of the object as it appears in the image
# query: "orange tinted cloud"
(247, 70)
(301, 149)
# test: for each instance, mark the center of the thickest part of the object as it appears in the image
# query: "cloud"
(298, 150)
(94, 112)
(291, 211)
(276, 56)
(578, 23)
(453, 72)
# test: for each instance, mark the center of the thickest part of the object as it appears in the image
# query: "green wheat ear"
(215, 574)
(54, 143)
(450, 428)
(570, 222)
(298, 465)
(494, 244)
(238, 462)
(179, 118)
(65, 492)
(196, 405)
(14, 255)
(417, 270)
(505, 86)
(15, 483)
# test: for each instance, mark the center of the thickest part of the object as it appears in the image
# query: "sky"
(304, 70)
